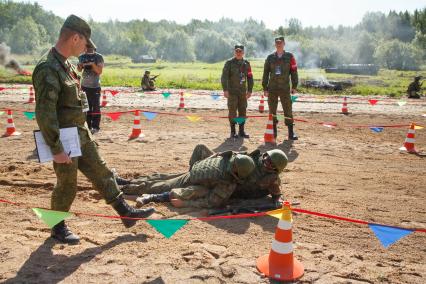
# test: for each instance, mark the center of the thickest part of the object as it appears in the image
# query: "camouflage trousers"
(286, 103)
(93, 167)
(236, 102)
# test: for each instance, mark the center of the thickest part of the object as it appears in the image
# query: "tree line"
(394, 40)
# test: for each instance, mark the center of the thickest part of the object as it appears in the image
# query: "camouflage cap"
(279, 38)
(239, 46)
(81, 26)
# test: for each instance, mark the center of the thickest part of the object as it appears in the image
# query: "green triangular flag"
(280, 117)
(29, 114)
(167, 227)
(1, 112)
(239, 120)
(293, 99)
(166, 95)
(51, 217)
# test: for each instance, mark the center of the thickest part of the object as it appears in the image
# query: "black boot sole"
(128, 223)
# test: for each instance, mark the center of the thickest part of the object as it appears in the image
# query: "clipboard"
(70, 141)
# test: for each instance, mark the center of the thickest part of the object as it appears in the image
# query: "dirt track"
(350, 172)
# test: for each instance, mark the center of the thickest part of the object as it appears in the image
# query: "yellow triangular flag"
(193, 118)
(187, 95)
(277, 213)
(418, 127)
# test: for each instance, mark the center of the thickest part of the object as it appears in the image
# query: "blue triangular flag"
(149, 115)
(167, 227)
(294, 99)
(376, 129)
(215, 96)
(239, 120)
(29, 114)
(388, 235)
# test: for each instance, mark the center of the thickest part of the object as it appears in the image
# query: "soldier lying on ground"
(261, 181)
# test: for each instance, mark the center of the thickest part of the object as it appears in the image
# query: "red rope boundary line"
(238, 216)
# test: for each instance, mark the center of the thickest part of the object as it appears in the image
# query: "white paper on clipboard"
(70, 141)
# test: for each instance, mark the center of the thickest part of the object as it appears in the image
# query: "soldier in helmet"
(61, 103)
(263, 181)
(414, 88)
(237, 85)
(148, 83)
(209, 183)
(279, 66)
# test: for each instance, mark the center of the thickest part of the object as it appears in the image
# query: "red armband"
(293, 64)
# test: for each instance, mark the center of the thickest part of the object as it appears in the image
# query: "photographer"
(92, 64)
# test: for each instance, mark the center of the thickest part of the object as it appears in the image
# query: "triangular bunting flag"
(166, 95)
(149, 115)
(1, 112)
(388, 235)
(239, 120)
(376, 129)
(114, 115)
(418, 127)
(1, 89)
(280, 117)
(113, 92)
(293, 99)
(215, 96)
(187, 95)
(167, 227)
(373, 102)
(51, 217)
(193, 118)
(402, 103)
(29, 114)
(275, 213)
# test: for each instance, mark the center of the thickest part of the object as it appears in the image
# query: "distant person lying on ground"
(262, 181)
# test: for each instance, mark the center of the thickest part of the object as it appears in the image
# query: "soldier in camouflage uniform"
(279, 66)
(264, 179)
(413, 90)
(237, 85)
(209, 183)
(60, 103)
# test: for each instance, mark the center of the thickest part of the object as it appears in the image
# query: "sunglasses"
(239, 51)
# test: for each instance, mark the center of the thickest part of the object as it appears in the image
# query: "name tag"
(242, 78)
(278, 70)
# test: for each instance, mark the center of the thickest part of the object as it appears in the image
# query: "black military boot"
(121, 181)
(291, 134)
(233, 132)
(61, 232)
(241, 131)
(125, 210)
(147, 198)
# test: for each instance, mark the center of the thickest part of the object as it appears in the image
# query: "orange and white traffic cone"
(280, 264)
(136, 130)
(345, 106)
(262, 104)
(181, 101)
(104, 100)
(269, 132)
(10, 127)
(31, 99)
(409, 140)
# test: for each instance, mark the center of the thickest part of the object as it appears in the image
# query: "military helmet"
(244, 165)
(279, 159)
(147, 72)
(417, 78)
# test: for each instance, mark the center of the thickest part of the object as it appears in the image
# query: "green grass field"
(120, 71)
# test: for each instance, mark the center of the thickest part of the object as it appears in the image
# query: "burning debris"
(327, 85)
(11, 63)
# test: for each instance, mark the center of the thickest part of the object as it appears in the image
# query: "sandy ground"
(350, 172)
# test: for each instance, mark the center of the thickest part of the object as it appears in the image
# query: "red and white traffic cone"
(409, 140)
(280, 264)
(136, 130)
(181, 101)
(269, 132)
(10, 127)
(31, 99)
(104, 100)
(262, 104)
(345, 106)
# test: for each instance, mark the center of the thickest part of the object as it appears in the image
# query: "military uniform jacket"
(237, 77)
(414, 87)
(59, 100)
(276, 73)
(260, 183)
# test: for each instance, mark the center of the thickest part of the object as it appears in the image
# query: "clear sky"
(273, 13)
